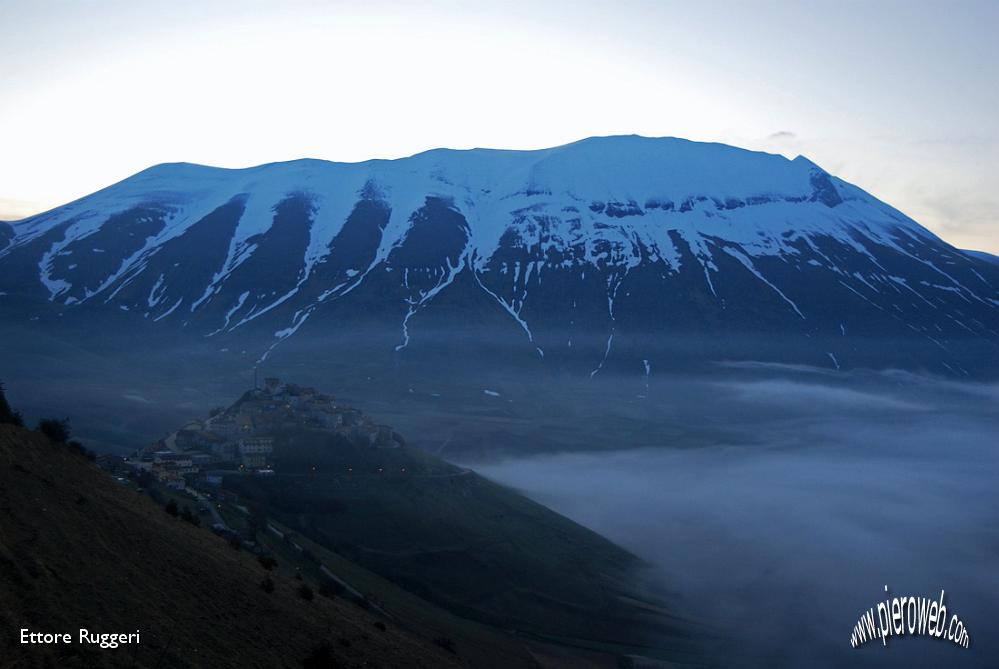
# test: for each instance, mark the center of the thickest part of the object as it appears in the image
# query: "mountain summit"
(625, 254)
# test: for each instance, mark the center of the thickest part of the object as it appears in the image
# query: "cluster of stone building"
(241, 438)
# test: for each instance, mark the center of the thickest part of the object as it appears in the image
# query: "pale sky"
(900, 98)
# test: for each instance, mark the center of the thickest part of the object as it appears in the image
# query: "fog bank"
(781, 537)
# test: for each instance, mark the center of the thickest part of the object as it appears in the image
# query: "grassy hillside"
(462, 542)
(78, 550)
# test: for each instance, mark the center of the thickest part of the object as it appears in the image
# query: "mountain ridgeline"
(610, 255)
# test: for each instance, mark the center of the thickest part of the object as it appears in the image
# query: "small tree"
(190, 516)
(56, 430)
(7, 415)
(80, 449)
(305, 592)
(144, 478)
(171, 508)
(257, 523)
(267, 562)
(267, 585)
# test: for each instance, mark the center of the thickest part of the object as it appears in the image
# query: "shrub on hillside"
(7, 415)
(80, 449)
(171, 508)
(145, 479)
(305, 592)
(257, 522)
(190, 516)
(445, 643)
(56, 430)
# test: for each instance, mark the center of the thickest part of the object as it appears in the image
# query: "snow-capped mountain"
(619, 252)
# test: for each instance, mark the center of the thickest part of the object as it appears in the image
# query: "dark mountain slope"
(77, 550)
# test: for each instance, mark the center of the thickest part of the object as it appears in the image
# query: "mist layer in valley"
(820, 490)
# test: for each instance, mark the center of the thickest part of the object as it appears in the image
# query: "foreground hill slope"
(463, 542)
(442, 532)
(77, 550)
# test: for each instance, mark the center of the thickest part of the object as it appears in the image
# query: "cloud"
(783, 134)
(808, 396)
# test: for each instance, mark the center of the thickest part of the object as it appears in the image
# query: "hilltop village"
(241, 438)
